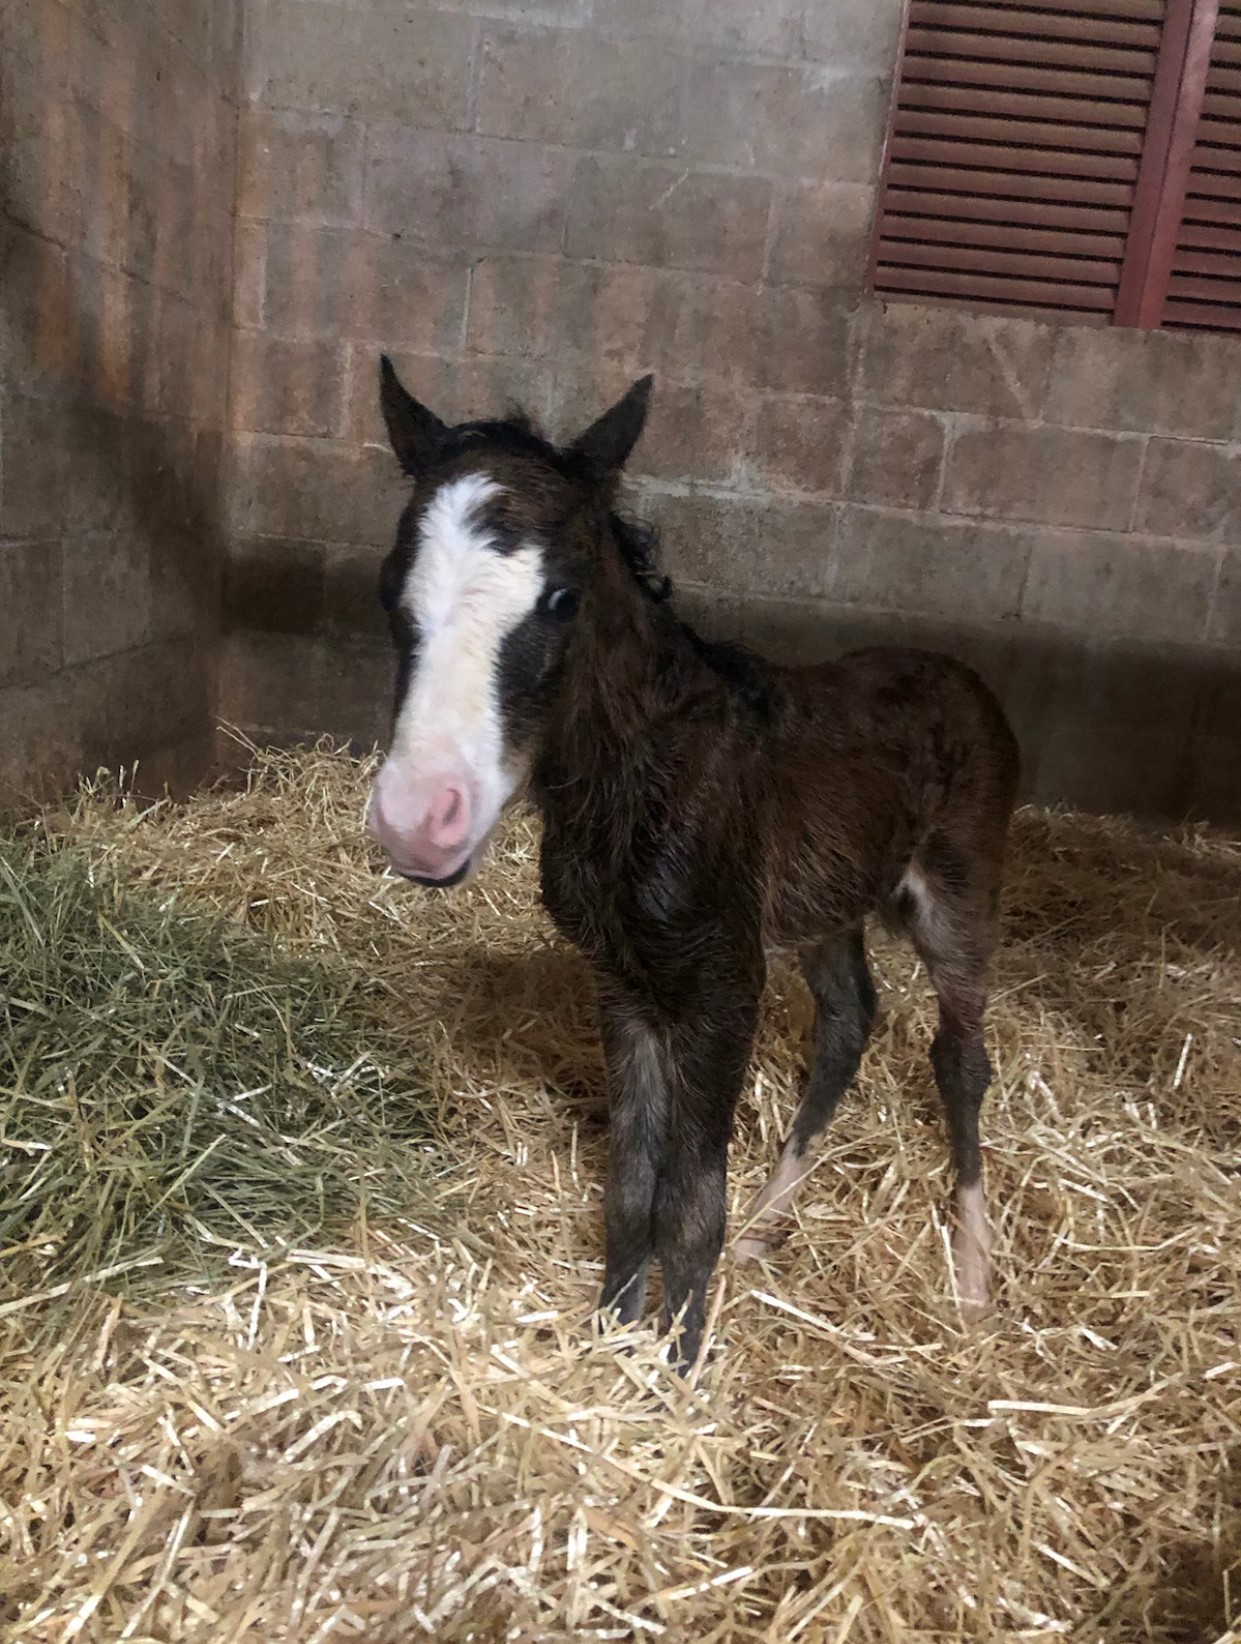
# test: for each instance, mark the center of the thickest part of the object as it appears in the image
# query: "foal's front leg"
(636, 1053)
(708, 1068)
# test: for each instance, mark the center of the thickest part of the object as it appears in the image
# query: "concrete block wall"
(117, 191)
(539, 201)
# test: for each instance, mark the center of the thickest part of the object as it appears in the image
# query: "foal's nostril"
(448, 823)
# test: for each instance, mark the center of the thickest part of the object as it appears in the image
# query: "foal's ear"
(606, 444)
(414, 431)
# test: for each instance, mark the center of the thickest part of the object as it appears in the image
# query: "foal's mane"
(517, 434)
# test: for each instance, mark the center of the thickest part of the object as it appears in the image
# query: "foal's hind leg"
(844, 996)
(953, 928)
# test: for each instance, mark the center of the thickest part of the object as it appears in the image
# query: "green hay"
(172, 1087)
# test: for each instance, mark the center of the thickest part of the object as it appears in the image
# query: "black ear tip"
(387, 371)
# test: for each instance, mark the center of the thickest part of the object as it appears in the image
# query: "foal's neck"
(632, 673)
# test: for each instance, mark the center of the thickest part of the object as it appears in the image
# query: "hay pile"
(371, 1408)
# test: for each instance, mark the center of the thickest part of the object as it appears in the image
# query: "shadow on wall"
(1107, 726)
(1103, 727)
(115, 286)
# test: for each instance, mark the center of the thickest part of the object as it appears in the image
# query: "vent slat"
(1042, 133)
(1121, 168)
(1214, 185)
(1006, 236)
(1029, 77)
(1112, 119)
(1066, 54)
(1068, 25)
(1148, 11)
(1210, 238)
(1204, 288)
(960, 180)
(1018, 264)
(1215, 264)
(986, 208)
(990, 289)
(1186, 316)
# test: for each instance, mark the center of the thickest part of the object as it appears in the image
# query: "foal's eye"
(561, 603)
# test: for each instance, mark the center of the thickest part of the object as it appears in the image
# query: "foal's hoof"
(758, 1247)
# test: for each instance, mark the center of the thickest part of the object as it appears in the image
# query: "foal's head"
(496, 554)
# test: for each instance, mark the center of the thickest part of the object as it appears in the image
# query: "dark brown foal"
(699, 805)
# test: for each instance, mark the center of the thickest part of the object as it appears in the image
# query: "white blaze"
(464, 597)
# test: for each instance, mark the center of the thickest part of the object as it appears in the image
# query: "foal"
(698, 804)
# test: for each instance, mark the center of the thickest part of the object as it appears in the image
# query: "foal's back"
(889, 769)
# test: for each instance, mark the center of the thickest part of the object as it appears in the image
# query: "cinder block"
(671, 19)
(821, 234)
(948, 359)
(1214, 772)
(800, 445)
(457, 389)
(331, 284)
(1191, 490)
(785, 120)
(1225, 622)
(30, 611)
(804, 342)
(274, 585)
(772, 29)
(34, 462)
(287, 386)
(446, 194)
(744, 545)
(1101, 584)
(1117, 730)
(853, 34)
(38, 330)
(295, 167)
(96, 444)
(552, 308)
(663, 216)
(581, 88)
(107, 594)
(351, 605)
(1050, 475)
(156, 698)
(897, 457)
(249, 274)
(315, 491)
(899, 562)
(385, 60)
(291, 684)
(1150, 382)
(693, 432)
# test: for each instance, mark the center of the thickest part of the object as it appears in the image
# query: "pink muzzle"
(424, 825)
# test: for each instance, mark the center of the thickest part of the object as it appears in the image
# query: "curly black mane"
(638, 542)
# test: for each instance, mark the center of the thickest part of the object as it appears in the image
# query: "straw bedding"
(300, 1234)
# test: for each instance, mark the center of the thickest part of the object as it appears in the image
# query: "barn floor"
(373, 1409)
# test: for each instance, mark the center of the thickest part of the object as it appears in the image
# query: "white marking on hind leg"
(971, 1251)
(760, 1236)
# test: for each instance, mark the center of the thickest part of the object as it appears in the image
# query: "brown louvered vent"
(1015, 149)
(1205, 285)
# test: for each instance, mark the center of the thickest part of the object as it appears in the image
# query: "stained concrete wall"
(117, 176)
(541, 200)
